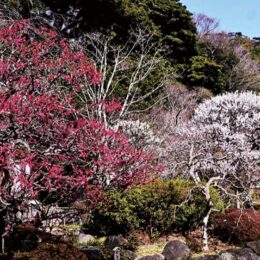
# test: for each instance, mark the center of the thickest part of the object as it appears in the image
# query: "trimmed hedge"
(157, 208)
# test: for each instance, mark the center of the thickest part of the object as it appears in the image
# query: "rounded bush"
(238, 225)
(158, 208)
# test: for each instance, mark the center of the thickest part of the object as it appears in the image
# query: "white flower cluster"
(235, 115)
(235, 110)
(229, 129)
(140, 134)
(222, 140)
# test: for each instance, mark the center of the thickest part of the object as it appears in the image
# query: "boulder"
(238, 254)
(153, 257)
(115, 241)
(176, 250)
(85, 238)
(58, 231)
(93, 252)
(255, 246)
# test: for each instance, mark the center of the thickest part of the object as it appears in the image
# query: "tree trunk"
(205, 230)
(2, 224)
(238, 200)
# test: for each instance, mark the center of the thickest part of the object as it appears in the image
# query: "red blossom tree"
(49, 151)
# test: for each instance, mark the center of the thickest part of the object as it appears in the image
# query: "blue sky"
(234, 15)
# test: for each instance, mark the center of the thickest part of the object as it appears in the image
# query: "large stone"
(84, 238)
(115, 241)
(255, 246)
(93, 252)
(238, 254)
(152, 257)
(176, 250)
(58, 231)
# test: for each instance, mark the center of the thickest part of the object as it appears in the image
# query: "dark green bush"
(157, 208)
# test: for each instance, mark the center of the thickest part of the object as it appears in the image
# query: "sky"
(233, 15)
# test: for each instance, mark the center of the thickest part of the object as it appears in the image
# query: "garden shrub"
(58, 251)
(157, 208)
(238, 225)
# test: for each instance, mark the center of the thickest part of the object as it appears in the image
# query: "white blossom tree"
(220, 146)
(140, 134)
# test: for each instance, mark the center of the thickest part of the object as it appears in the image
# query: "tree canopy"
(169, 20)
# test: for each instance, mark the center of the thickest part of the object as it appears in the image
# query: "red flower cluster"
(48, 150)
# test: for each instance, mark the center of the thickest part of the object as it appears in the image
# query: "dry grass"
(158, 246)
(151, 249)
(215, 245)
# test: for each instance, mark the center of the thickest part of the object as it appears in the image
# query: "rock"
(255, 246)
(115, 241)
(93, 252)
(176, 250)
(153, 257)
(58, 231)
(238, 254)
(85, 238)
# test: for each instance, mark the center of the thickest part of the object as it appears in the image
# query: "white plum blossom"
(140, 134)
(224, 129)
(220, 146)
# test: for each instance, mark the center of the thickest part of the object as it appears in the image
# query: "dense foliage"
(206, 73)
(168, 19)
(157, 208)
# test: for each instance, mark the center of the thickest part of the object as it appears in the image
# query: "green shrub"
(157, 208)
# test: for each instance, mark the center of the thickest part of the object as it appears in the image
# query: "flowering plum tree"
(140, 134)
(37, 60)
(49, 152)
(221, 147)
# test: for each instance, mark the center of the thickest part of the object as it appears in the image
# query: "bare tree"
(123, 68)
(205, 25)
(175, 111)
(245, 74)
